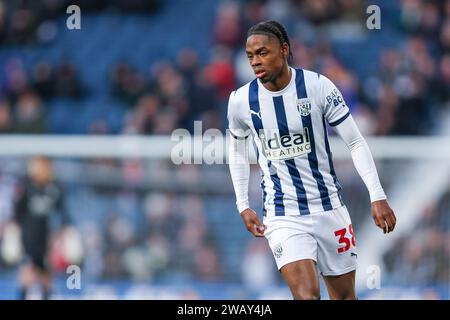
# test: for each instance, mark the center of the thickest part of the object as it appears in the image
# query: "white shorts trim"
(340, 272)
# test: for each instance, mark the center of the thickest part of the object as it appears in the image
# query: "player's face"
(40, 170)
(266, 56)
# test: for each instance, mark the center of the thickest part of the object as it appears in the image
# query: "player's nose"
(255, 62)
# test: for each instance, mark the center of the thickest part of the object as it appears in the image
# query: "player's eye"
(263, 53)
(249, 57)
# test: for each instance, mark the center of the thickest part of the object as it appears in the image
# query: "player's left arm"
(338, 116)
(382, 213)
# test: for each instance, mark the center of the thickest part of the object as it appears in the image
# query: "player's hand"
(252, 222)
(383, 216)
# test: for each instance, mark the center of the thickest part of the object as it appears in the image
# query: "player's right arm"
(239, 166)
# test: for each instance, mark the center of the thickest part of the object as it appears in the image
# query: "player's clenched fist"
(383, 216)
(252, 222)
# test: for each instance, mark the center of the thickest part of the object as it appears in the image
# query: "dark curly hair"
(272, 28)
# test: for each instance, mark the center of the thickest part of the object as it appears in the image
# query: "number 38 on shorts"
(343, 239)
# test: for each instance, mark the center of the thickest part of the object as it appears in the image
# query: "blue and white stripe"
(304, 184)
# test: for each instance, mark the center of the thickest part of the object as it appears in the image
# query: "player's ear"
(285, 50)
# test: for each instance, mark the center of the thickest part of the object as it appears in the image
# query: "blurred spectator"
(118, 237)
(23, 24)
(93, 263)
(445, 36)
(221, 73)
(159, 252)
(188, 64)
(142, 120)
(443, 81)
(43, 79)
(160, 215)
(14, 80)
(29, 114)
(119, 232)
(258, 266)
(319, 12)
(3, 23)
(67, 83)
(170, 82)
(207, 266)
(254, 11)
(5, 117)
(227, 31)
(127, 84)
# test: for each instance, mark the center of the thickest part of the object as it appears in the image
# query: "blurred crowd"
(23, 94)
(174, 95)
(28, 22)
(172, 240)
(422, 257)
(172, 243)
(125, 233)
(404, 97)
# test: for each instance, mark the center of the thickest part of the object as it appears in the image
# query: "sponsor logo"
(335, 98)
(287, 146)
(353, 254)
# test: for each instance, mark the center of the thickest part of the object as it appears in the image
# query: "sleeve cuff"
(380, 195)
(335, 123)
(241, 206)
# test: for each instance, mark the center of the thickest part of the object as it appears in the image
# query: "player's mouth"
(260, 74)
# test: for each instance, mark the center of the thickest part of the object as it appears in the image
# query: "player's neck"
(280, 82)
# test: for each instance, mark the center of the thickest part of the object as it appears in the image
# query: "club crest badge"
(304, 106)
(278, 251)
